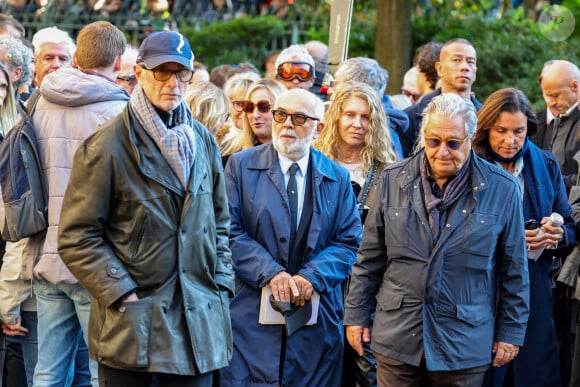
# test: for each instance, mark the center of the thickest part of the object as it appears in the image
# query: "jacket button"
(229, 266)
(122, 309)
(113, 270)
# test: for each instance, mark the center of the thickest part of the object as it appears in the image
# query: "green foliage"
(511, 51)
(235, 41)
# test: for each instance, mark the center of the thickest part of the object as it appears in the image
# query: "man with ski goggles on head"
(295, 68)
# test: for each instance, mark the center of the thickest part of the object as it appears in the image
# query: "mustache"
(288, 132)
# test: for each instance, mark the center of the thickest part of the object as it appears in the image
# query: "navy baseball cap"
(165, 46)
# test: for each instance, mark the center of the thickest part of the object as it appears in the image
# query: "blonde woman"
(209, 105)
(235, 88)
(257, 117)
(356, 135)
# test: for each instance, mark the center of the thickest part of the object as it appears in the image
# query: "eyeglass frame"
(459, 141)
(292, 117)
(235, 104)
(175, 73)
(127, 78)
(295, 75)
(247, 104)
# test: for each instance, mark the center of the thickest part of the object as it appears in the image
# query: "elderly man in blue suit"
(295, 231)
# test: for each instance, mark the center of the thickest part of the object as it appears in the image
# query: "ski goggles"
(263, 106)
(289, 70)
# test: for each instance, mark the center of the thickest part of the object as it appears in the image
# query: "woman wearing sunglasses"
(235, 88)
(257, 118)
(356, 136)
(506, 120)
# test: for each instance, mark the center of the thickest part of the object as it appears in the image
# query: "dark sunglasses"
(263, 106)
(163, 75)
(290, 70)
(451, 143)
(298, 119)
(238, 106)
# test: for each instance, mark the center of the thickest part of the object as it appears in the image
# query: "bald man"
(560, 82)
(319, 52)
(294, 231)
(457, 70)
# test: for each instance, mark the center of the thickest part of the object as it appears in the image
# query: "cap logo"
(181, 44)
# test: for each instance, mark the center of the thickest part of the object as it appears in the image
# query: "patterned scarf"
(177, 144)
(437, 209)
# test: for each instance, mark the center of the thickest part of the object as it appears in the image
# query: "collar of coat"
(265, 157)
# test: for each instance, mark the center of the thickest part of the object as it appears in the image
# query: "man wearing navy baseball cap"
(146, 230)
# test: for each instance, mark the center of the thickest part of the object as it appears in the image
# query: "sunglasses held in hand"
(290, 70)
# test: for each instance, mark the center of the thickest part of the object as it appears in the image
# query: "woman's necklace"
(349, 160)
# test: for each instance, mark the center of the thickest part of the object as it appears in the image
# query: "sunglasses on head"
(290, 70)
(263, 106)
(451, 143)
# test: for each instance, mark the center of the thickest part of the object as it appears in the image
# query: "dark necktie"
(292, 191)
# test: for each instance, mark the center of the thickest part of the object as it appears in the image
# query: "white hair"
(55, 36)
(295, 53)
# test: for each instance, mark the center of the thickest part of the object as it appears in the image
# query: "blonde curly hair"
(378, 144)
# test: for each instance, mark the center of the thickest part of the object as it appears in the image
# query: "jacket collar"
(151, 163)
(410, 172)
(267, 159)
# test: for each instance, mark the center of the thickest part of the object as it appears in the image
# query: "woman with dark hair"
(504, 123)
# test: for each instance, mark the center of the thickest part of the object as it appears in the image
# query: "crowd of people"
(205, 227)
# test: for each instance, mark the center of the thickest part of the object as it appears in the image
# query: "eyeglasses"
(238, 106)
(451, 143)
(298, 119)
(263, 106)
(162, 75)
(290, 70)
(127, 78)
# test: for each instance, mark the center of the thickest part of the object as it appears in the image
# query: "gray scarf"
(438, 209)
(177, 144)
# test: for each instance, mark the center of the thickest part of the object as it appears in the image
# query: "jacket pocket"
(398, 221)
(473, 314)
(390, 301)
(124, 338)
(479, 235)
